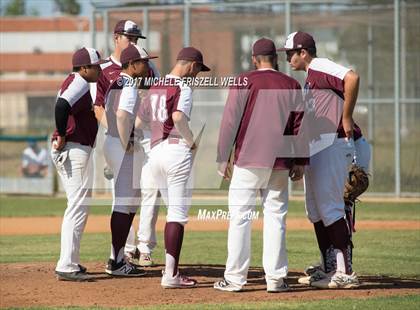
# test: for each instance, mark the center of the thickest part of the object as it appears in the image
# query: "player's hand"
(59, 143)
(224, 170)
(193, 146)
(132, 146)
(296, 172)
(348, 125)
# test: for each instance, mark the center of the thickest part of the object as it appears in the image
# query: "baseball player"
(322, 270)
(326, 175)
(126, 32)
(124, 155)
(167, 112)
(34, 161)
(73, 141)
(254, 118)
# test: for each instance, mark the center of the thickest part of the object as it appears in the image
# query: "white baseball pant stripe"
(324, 182)
(76, 174)
(272, 185)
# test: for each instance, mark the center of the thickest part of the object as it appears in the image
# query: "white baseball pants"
(363, 153)
(75, 168)
(149, 210)
(324, 182)
(272, 185)
(127, 170)
(150, 202)
(171, 168)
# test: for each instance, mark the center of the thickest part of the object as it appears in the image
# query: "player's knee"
(179, 217)
(313, 218)
(339, 234)
(120, 209)
(126, 207)
(133, 209)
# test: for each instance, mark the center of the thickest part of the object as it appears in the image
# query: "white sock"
(341, 265)
(169, 265)
(112, 256)
(119, 257)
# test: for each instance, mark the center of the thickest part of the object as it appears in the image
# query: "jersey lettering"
(159, 110)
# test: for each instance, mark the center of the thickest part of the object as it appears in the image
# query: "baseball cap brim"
(204, 68)
(132, 34)
(144, 58)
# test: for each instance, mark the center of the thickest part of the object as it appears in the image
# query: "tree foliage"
(15, 8)
(71, 7)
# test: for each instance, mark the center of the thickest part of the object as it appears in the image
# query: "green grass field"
(410, 302)
(14, 206)
(387, 253)
(390, 253)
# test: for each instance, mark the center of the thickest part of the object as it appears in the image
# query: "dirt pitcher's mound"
(34, 284)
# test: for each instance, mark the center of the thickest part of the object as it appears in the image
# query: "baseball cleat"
(123, 269)
(145, 260)
(312, 269)
(338, 280)
(277, 287)
(177, 282)
(83, 269)
(315, 276)
(75, 276)
(225, 285)
(133, 257)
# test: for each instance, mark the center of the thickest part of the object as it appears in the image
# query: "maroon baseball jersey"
(121, 95)
(110, 71)
(161, 102)
(323, 74)
(256, 118)
(82, 125)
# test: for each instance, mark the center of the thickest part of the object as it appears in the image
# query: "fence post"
(397, 97)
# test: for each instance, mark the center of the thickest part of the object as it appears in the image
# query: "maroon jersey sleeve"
(101, 87)
(231, 120)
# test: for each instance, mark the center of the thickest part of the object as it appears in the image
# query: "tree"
(71, 7)
(15, 7)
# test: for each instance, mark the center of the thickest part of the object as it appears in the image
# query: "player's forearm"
(124, 127)
(181, 124)
(62, 111)
(100, 115)
(141, 124)
(351, 90)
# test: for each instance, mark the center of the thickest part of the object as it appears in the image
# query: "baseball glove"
(357, 183)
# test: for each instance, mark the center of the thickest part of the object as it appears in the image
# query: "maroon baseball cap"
(86, 56)
(129, 28)
(298, 40)
(264, 46)
(192, 54)
(134, 52)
